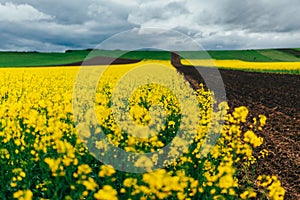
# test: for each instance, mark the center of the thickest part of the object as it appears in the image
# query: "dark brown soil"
(278, 97)
(102, 60)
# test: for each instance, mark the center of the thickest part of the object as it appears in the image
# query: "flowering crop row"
(244, 65)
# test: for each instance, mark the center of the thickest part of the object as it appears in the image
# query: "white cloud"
(22, 12)
(228, 24)
(165, 14)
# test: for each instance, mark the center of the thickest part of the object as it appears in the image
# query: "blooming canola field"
(244, 65)
(58, 143)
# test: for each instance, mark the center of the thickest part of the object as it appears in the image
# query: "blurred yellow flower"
(106, 193)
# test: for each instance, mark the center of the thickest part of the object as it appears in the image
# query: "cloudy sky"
(58, 25)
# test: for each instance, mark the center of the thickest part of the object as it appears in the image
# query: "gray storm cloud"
(77, 24)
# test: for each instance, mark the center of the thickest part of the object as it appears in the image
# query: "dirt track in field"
(278, 97)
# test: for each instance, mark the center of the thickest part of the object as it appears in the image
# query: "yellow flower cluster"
(23, 195)
(275, 190)
(48, 153)
(106, 193)
(251, 138)
(161, 184)
(19, 175)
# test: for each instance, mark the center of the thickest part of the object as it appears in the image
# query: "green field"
(245, 55)
(280, 56)
(25, 59)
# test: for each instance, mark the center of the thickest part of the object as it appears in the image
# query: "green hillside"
(25, 59)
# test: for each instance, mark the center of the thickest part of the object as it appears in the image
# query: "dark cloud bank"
(78, 24)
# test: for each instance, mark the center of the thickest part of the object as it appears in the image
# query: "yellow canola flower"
(84, 169)
(239, 64)
(106, 170)
(253, 139)
(144, 162)
(249, 193)
(162, 184)
(273, 185)
(106, 193)
(53, 164)
(90, 184)
(240, 114)
(262, 120)
(129, 182)
(226, 181)
(23, 195)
